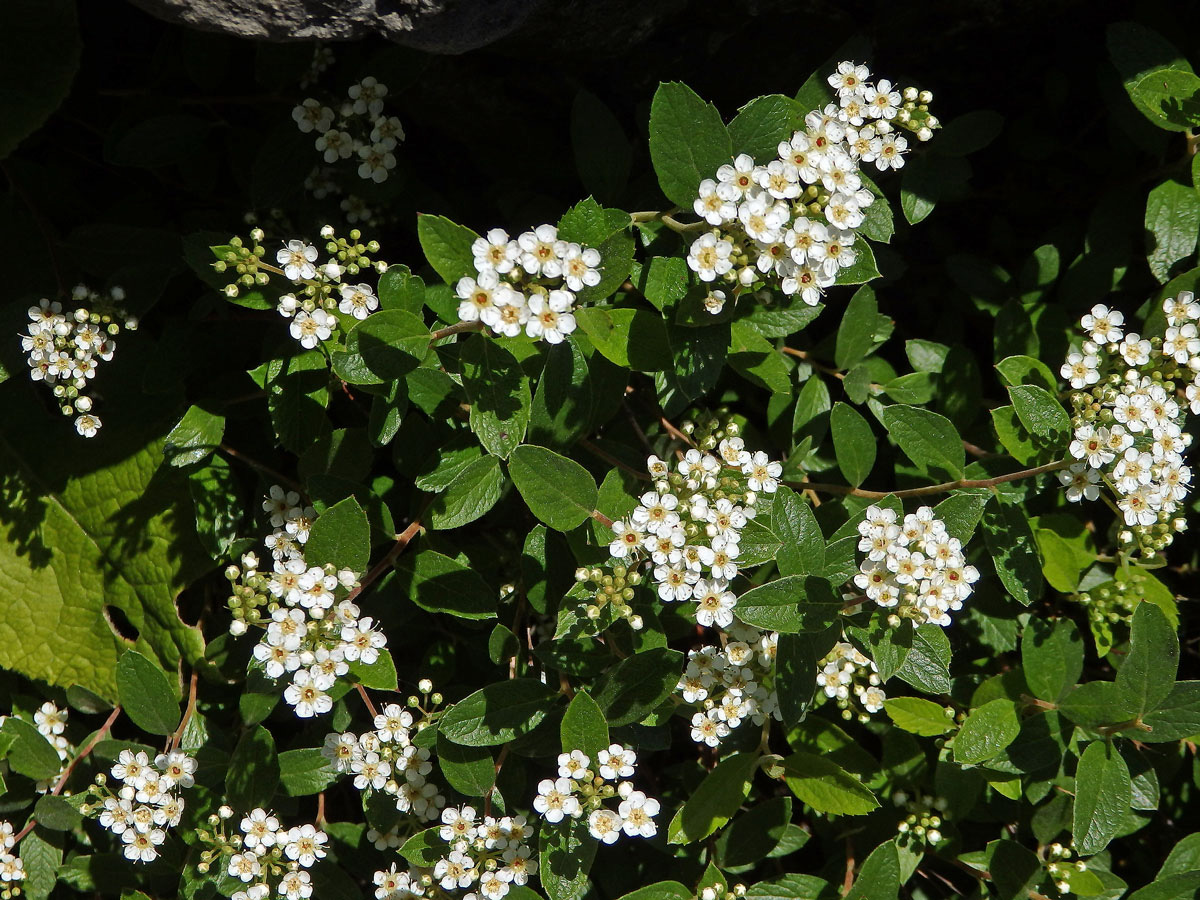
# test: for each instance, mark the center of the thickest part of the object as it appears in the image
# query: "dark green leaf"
(447, 246)
(557, 490)
(197, 435)
(929, 440)
(469, 770)
(305, 771)
(442, 585)
(342, 536)
(987, 731)
(715, 801)
(636, 685)
(145, 694)
(472, 493)
(1102, 797)
(253, 772)
(498, 713)
(584, 726)
(853, 443)
(826, 786)
(1013, 549)
(499, 392)
(688, 141)
(1051, 656)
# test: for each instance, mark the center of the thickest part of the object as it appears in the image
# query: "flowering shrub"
(694, 551)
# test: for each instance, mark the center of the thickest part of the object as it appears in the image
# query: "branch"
(942, 488)
(403, 539)
(187, 713)
(266, 470)
(612, 460)
(454, 329)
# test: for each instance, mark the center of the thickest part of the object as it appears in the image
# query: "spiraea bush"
(656, 554)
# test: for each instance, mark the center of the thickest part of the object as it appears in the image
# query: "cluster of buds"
(1113, 602)
(732, 683)
(1061, 867)
(718, 892)
(357, 130)
(1129, 407)
(65, 351)
(921, 828)
(686, 531)
(146, 804)
(913, 568)
(794, 221)
(850, 678)
(321, 294)
(584, 790)
(268, 858)
(528, 284)
(312, 628)
(386, 760)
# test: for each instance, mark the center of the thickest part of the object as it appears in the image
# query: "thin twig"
(402, 540)
(675, 432)
(362, 692)
(454, 329)
(602, 518)
(942, 488)
(265, 469)
(188, 712)
(612, 460)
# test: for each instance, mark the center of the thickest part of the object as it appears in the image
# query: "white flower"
(305, 694)
(550, 316)
(142, 846)
(368, 96)
(579, 267)
(295, 886)
(509, 312)
(762, 472)
(312, 328)
(882, 102)
(495, 252)
(556, 799)
(259, 829)
(738, 178)
(476, 294)
(358, 300)
(50, 720)
(714, 204)
(334, 145)
(539, 254)
(709, 257)
(849, 78)
(616, 762)
(1104, 324)
(297, 259)
(87, 425)
(888, 151)
(628, 538)
(458, 824)
(708, 729)
(305, 845)
(377, 161)
(1082, 371)
(639, 811)
(177, 767)
(312, 116)
(573, 765)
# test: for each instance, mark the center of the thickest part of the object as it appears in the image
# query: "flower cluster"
(358, 129)
(1131, 397)
(846, 672)
(313, 629)
(687, 529)
(268, 858)
(1061, 868)
(922, 826)
(12, 868)
(65, 351)
(387, 760)
(794, 220)
(527, 284)
(485, 857)
(579, 790)
(732, 684)
(913, 568)
(146, 804)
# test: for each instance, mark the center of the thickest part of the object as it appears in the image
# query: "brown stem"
(819, 366)
(942, 488)
(320, 809)
(362, 692)
(602, 518)
(187, 713)
(675, 432)
(403, 539)
(487, 801)
(66, 773)
(265, 469)
(612, 460)
(455, 329)
(848, 879)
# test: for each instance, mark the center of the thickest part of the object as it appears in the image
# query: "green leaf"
(754, 833)
(384, 346)
(1041, 414)
(1094, 703)
(584, 726)
(469, 770)
(762, 124)
(379, 675)
(1167, 97)
(424, 848)
(559, 491)
(853, 443)
(757, 359)
(498, 713)
(399, 288)
(795, 676)
(1051, 657)
(1148, 673)
(198, 433)
(41, 860)
(661, 890)
(447, 246)
(688, 141)
(715, 801)
(826, 786)
(342, 536)
(864, 267)
(790, 605)
(987, 731)
(146, 695)
(499, 392)
(856, 334)
(927, 664)
(471, 493)
(636, 685)
(1172, 220)
(929, 440)
(100, 534)
(1177, 716)
(440, 584)
(631, 338)
(803, 551)
(565, 858)
(41, 54)
(1013, 549)
(960, 512)
(56, 814)
(1015, 370)
(29, 753)
(253, 772)
(305, 771)
(589, 224)
(1102, 797)
(879, 878)
(918, 716)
